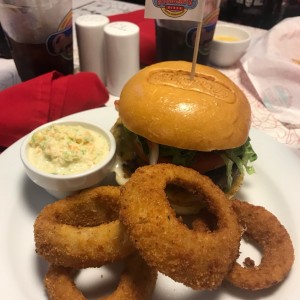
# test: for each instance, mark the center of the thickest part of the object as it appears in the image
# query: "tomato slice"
(202, 162)
(207, 161)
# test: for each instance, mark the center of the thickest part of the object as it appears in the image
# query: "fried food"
(82, 230)
(59, 283)
(137, 282)
(137, 224)
(277, 249)
(197, 259)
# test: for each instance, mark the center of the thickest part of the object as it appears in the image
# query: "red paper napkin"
(147, 34)
(27, 105)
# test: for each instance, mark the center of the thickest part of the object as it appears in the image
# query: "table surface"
(262, 118)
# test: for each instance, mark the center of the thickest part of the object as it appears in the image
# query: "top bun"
(163, 104)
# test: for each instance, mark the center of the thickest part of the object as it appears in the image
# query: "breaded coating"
(276, 245)
(82, 230)
(137, 282)
(197, 259)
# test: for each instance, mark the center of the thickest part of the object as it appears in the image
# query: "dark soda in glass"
(179, 45)
(39, 35)
(32, 60)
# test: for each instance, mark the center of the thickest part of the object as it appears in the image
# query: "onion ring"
(277, 249)
(137, 282)
(82, 230)
(188, 256)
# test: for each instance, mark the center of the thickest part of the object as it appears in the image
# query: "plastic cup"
(39, 35)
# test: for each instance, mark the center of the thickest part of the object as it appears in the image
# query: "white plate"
(275, 186)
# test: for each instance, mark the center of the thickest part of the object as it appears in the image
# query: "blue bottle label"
(61, 42)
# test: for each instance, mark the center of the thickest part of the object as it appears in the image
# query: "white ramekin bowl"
(226, 53)
(61, 186)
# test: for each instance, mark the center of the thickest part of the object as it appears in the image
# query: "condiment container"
(90, 40)
(229, 44)
(61, 186)
(122, 54)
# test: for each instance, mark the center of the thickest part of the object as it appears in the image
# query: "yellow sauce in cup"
(226, 38)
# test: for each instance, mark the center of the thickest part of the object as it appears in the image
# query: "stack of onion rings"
(84, 231)
(191, 257)
(137, 224)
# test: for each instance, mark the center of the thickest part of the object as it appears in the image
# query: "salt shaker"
(90, 40)
(122, 54)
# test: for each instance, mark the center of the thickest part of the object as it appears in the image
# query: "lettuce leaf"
(179, 156)
(242, 157)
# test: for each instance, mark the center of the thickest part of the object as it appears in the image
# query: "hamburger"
(165, 116)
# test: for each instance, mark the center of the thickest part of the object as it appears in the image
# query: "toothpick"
(197, 41)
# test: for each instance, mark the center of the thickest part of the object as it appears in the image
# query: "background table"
(262, 118)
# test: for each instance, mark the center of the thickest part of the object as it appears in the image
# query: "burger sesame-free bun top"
(163, 104)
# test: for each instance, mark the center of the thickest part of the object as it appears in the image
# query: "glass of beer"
(175, 39)
(39, 34)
